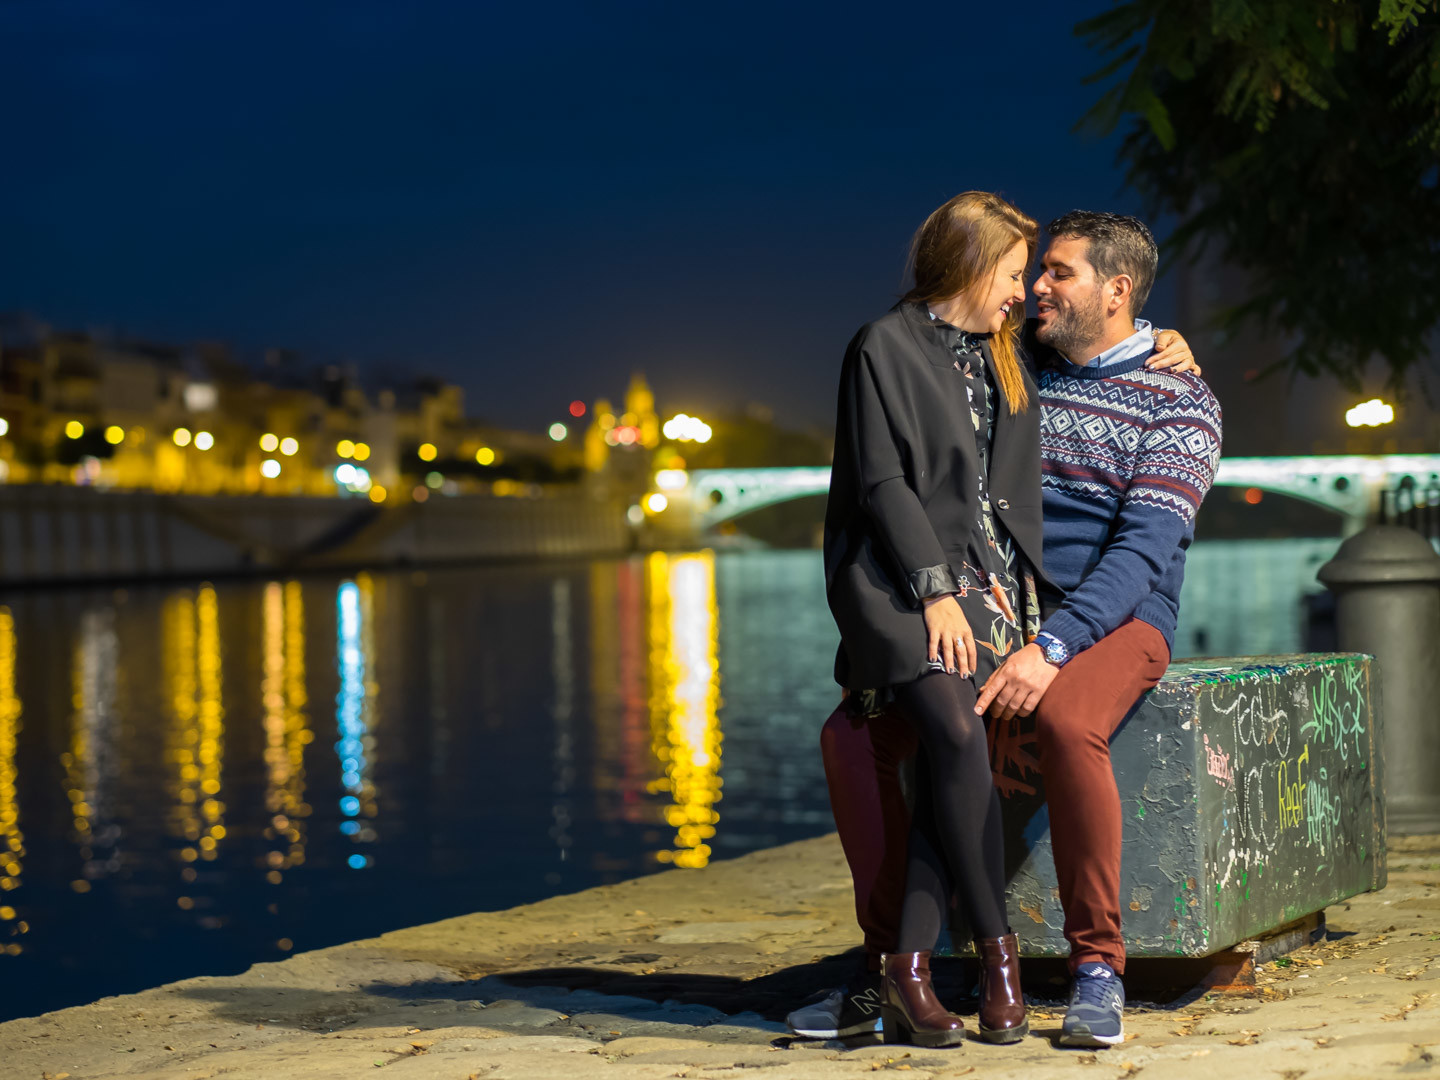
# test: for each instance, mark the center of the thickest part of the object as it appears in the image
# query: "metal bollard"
(1386, 582)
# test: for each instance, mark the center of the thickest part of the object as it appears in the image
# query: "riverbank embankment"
(689, 974)
(52, 535)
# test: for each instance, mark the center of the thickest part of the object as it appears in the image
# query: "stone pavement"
(689, 973)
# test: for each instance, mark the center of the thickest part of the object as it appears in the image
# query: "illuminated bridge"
(1347, 485)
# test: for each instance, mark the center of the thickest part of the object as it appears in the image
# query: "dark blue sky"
(529, 199)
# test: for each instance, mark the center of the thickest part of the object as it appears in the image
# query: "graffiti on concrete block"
(1217, 764)
(1337, 713)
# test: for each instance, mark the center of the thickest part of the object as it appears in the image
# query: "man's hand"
(1018, 685)
(1173, 353)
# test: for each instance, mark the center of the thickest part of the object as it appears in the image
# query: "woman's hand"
(951, 641)
(1173, 353)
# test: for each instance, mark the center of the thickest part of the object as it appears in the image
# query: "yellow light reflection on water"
(685, 699)
(193, 680)
(11, 836)
(287, 730)
(211, 717)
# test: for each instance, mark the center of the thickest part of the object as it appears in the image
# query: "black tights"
(955, 838)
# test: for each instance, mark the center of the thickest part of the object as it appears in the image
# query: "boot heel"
(893, 1026)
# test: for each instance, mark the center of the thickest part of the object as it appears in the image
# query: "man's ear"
(1118, 293)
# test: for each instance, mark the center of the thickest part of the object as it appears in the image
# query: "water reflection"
(90, 771)
(545, 727)
(562, 676)
(355, 712)
(193, 678)
(13, 854)
(684, 700)
(287, 728)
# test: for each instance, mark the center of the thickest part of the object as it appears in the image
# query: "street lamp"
(684, 428)
(1370, 413)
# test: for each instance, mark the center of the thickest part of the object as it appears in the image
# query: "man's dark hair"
(1118, 244)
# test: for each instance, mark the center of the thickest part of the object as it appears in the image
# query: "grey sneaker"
(853, 1009)
(1096, 1016)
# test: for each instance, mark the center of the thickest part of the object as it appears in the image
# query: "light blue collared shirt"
(1140, 343)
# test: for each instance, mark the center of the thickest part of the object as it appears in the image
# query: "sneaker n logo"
(868, 1002)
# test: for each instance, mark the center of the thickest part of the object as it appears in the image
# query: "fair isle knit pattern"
(1127, 455)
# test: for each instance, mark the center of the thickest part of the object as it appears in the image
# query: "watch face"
(1055, 652)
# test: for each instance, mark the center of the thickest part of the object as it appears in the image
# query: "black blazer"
(903, 497)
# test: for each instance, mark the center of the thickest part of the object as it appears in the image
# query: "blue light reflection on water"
(500, 735)
(353, 705)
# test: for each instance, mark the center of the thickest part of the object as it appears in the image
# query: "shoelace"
(1094, 990)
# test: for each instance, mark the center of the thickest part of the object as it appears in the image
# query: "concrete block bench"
(1253, 795)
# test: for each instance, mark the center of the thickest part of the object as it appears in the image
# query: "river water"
(196, 778)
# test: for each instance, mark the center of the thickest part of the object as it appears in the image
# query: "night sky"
(529, 199)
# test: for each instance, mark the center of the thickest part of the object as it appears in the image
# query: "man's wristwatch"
(1053, 648)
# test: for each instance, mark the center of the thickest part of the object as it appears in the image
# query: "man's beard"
(1073, 331)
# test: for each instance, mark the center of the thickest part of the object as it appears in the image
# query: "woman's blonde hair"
(959, 248)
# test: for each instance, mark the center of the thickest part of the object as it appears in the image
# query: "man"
(1127, 455)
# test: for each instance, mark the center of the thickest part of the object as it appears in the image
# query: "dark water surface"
(196, 778)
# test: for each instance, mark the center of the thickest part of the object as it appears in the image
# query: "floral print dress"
(997, 585)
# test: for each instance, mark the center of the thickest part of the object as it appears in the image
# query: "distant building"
(84, 408)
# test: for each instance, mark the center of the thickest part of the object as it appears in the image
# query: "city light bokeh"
(1372, 413)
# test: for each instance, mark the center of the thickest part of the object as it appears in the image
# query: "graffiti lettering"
(1292, 791)
(1217, 764)
(1322, 811)
(1337, 718)
(1255, 726)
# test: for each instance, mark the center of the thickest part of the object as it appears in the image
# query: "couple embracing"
(1009, 512)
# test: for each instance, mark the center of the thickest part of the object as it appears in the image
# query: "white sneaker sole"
(814, 1033)
(1092, 1040)
(866, 1028)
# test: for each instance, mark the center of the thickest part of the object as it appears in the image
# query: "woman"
(931, 532)
(932, 536)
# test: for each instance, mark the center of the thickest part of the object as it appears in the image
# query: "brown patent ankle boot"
(1002, 1006)
(909, 1009)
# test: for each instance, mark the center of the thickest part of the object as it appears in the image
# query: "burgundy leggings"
(1086, 703)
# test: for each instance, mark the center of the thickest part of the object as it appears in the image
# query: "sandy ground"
(689, 974)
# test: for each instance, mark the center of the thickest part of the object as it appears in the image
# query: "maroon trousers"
(1080, 712)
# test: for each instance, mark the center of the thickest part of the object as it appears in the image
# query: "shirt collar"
(954, 335)
(1141, 343)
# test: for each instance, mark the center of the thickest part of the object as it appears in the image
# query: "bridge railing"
(1413, 507)
(1349, 485)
